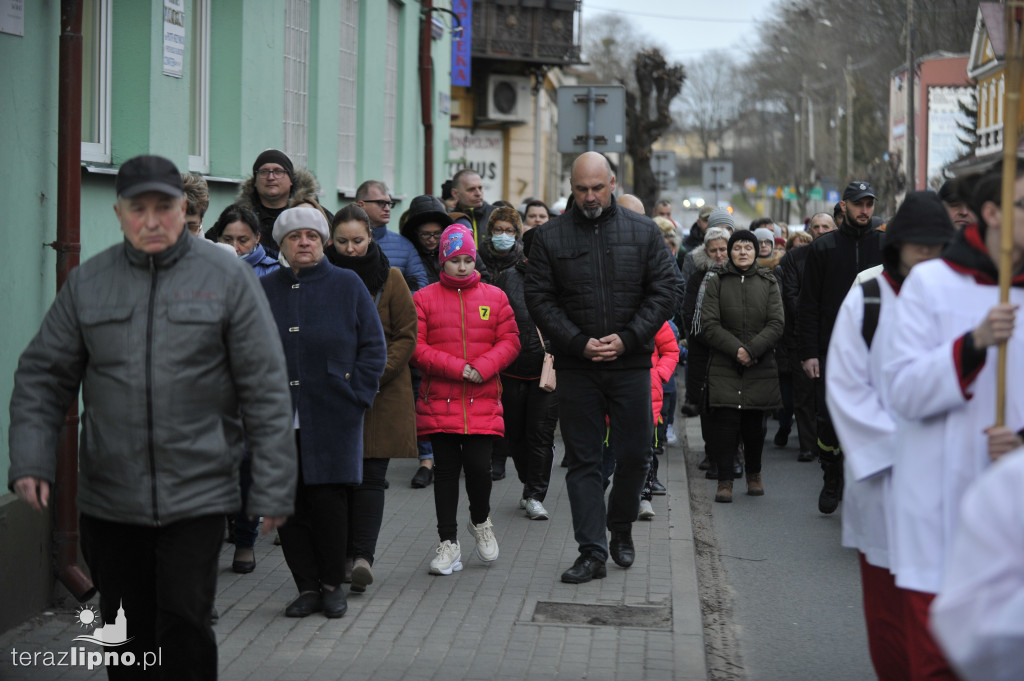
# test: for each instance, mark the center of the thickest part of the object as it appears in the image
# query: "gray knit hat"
(301, 217)
(720, 217)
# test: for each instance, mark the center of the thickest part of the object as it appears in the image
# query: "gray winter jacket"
(174, 352)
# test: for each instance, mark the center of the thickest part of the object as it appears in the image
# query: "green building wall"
(149, 114)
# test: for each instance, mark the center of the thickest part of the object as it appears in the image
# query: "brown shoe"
(362, 575)
(724, 494)
(754, 486)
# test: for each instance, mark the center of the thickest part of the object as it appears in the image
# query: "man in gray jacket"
(179, 361)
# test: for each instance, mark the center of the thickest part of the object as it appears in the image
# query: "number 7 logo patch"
(485, 312)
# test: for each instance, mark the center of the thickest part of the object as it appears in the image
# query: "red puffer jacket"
(663, 366)
(471, 323)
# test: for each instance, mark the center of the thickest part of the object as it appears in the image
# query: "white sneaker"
(646, 510)
(486, 544)
(535, 510)
(448, 560)
(670, 435)
(522, 503)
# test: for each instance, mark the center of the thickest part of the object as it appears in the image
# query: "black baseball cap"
(855, 191)
(148, 174)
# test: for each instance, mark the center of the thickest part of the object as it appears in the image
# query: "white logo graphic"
(863, 186)
(106, 634)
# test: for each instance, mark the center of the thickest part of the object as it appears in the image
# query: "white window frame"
(200, 163)
(296, 81)
(348, 97)
(99, 151)
(389, 140)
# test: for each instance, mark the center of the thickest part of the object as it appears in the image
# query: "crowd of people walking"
(276, 362)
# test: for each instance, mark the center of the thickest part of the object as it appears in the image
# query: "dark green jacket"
(742, 310)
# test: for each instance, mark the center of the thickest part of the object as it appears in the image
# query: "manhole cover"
(646, 616)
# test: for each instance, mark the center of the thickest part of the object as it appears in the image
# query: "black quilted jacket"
(592, 278)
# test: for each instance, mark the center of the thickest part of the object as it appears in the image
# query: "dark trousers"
(804, 408)
(366, 510)
(246, 528)
(453, 454)
(531, 415)
(730, 426)
(828, 441)
(164, 579)
(786, 412)
(586, 396)
(314, 539)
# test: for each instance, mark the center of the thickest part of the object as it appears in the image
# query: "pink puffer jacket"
(473, 324)
(663, 366)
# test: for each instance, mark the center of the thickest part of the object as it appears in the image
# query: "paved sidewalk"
(511, 620)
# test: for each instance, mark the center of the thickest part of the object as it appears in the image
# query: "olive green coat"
(742, 310)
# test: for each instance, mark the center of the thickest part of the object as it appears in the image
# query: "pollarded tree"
(648, 116)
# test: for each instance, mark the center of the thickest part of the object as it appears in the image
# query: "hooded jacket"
(305, 189)
(459, 323)
(589, 278)
(742, 310)
(833, 261)
(427, 208)
(179, 363)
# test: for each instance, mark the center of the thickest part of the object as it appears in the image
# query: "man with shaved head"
(631, 202)
(599, 284)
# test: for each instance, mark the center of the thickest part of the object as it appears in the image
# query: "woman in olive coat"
(741, 320)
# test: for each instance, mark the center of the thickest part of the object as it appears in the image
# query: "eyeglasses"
(499, 230)
(383, 203)
(430, 236)
(271, 172)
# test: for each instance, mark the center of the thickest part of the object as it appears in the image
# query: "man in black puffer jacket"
(600, 282)
(833, 261)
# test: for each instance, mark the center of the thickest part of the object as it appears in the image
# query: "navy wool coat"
(335, 350)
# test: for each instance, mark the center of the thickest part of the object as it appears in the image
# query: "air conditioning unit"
(508, 98)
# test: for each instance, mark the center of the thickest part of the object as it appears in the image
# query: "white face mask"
(503, 242)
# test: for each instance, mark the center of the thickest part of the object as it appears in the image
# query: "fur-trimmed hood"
(701, 259)
(305, 189)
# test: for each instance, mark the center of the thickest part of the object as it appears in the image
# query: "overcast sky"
(686, 28)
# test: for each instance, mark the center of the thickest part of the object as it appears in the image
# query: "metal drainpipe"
(69, 194)
(426, 95)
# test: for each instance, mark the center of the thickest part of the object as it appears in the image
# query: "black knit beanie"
(920, 219)
(274, 156)
(742, 235)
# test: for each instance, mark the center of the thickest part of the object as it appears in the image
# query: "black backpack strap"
(872, 308)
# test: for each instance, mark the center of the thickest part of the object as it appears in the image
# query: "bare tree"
(711, 98)
(648, 115)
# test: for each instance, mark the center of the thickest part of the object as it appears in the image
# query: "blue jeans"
(424, 450)
(585, 397)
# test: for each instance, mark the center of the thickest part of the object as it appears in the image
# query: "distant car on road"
(693, 202)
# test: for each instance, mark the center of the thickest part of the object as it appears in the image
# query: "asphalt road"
(782, 593)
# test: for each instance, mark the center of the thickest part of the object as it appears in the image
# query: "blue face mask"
(503, 242)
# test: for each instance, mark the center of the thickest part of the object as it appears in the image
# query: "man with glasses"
(833, 262)
(275, 185)
(374, 198)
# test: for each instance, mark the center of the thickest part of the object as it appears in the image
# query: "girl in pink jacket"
(466, 334)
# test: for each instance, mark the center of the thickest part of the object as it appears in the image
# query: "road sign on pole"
(591, 118)
(663, 165)
(717, 176)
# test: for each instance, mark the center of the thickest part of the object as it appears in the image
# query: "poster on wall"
(12, 17)
(174, 38)
(944, 114)
(483, 151)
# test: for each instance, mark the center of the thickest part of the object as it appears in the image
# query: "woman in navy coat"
(335, 349)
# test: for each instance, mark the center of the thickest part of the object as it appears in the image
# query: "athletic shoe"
(646, 510)
(522, 502)
(486, 545)
(448, 560)
(670, 435)
(535, 510)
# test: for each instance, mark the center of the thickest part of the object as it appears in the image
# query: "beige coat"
(389, 430)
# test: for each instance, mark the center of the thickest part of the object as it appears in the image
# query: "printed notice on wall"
(174, 38)
(12, 17)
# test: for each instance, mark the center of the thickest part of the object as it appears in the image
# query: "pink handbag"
(547, 371)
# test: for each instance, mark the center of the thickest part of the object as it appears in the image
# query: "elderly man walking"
(599, 284)
(161, 333)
